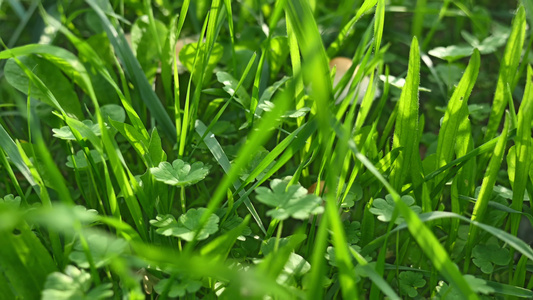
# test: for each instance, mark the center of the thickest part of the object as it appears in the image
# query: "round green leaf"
(180, 173)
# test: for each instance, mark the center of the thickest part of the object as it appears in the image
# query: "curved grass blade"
(62, 58)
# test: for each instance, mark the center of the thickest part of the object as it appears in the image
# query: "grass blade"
(219, 155)
(522, 158)
(487, 186)
(508, 67)
(456, 113)
(133, 69)
(406, 131)
(313, 52)
(421, 233)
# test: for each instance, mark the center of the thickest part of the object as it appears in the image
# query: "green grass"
(199, 149)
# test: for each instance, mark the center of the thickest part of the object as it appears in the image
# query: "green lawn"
(266, 149)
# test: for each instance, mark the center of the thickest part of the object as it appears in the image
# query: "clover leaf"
(65, 133)
(103, 249)
(383, 208)
(478, 285)
(81, 160)
(230, 86)
(268, 245)
(479, 111)
(410, 282)
(354, 194)
(231, 222)
(331, 256)
(187, 225)
(451, 53)
(353, 231)
(180, 173)
(486, 256)
(295, 267)
(399, 82)
(113, 112)
(73, 284)
(178, 288)
(254, 164)
(11, 200)
(292, 201)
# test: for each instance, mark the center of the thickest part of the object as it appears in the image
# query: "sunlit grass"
(209, 149)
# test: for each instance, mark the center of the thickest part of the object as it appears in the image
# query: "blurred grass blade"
(374, 276)
(24, 259)
(418, 19)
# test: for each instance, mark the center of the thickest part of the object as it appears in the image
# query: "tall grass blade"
(10, 148)
(406, 129)
(523, 150)
(132, 67)
(260, 134)
(87, 52)
(313, 52)
(347, 29)
(219, 155)
(456, 113)
(508, 67)
(456, 127)
(427, 241)
(480, 208)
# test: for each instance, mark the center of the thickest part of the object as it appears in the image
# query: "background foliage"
(274, 148)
